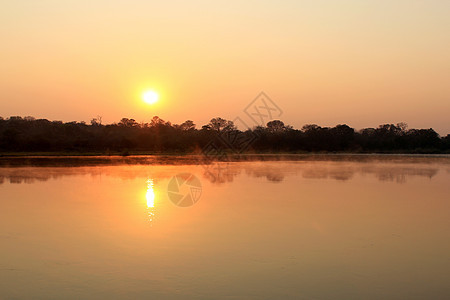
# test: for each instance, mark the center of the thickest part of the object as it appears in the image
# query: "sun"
(150, 97)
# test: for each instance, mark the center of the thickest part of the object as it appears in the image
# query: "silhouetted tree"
(97, 121)
(187, 125)
(275, 126)
(219, 125)
(30, 134)
(125, 122)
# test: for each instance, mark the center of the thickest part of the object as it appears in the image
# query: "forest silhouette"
(28, 135)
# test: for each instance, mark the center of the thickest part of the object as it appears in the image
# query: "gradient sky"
(327, 62)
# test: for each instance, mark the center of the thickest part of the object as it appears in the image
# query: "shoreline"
(173, 159)
(171, 154)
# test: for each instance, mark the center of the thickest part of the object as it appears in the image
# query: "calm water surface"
(303, 229)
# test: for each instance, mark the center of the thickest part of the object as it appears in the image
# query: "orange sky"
(363, 63)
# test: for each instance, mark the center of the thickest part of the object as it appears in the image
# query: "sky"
(326, 62)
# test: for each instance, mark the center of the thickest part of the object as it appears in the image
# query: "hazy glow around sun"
(150, 97)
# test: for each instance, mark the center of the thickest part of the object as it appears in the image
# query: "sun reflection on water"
(150, 196)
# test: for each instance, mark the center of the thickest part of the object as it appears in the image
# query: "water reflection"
(219, 173)
(225, 173)
(150, 196)
(398, 171)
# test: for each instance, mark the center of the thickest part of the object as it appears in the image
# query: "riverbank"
(95, 160)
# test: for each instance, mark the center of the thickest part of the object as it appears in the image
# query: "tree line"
(27, 134)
